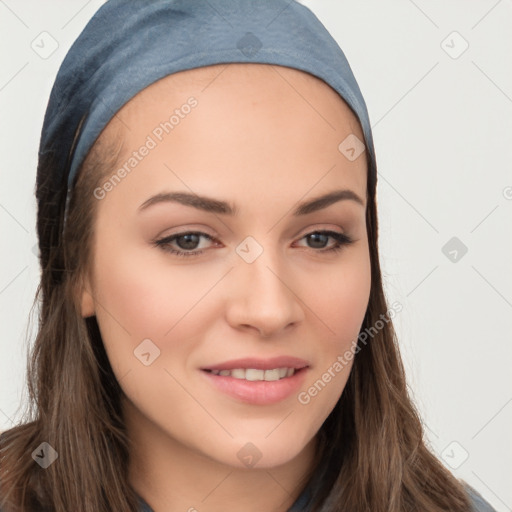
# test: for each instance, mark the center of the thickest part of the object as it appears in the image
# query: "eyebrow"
(211, 205)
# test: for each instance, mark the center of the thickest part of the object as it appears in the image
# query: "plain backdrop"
(437, 79)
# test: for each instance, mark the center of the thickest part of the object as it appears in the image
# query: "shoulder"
(477, 501)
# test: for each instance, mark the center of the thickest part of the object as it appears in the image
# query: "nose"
(264, 297)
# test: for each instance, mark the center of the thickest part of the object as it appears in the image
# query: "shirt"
(478, 503)
(296, 507)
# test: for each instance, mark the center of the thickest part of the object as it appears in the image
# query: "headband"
(129, 44)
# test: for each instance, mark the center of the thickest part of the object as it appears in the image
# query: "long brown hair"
(372, 454)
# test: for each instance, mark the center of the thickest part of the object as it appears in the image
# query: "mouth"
(256, 374)
(255, 386)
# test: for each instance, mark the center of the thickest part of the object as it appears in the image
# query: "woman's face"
(259, 282)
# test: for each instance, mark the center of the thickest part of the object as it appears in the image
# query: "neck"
(171, 476)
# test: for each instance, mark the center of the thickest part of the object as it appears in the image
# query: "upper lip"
(260, 364)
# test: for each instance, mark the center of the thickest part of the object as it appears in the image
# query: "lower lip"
(259, 392)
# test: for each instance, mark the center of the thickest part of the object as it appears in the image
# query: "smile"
(256, 386)
(253, 374)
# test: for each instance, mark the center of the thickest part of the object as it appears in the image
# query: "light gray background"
(442, 124)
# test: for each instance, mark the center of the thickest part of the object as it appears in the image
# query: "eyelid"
(183, 230)
(323, 227)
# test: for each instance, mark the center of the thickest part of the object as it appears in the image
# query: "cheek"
(144, 295)
(339, 301)
(341, 296)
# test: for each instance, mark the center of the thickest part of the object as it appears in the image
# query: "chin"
(259, 452)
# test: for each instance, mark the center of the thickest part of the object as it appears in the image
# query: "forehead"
(253, 125)
(264, 82)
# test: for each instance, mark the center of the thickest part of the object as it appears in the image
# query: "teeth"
(272, 374)
(253, 374)
(237, 374)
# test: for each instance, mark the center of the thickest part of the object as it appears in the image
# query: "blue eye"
(190, 239)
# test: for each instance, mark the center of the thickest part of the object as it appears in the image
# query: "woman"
(214, 333)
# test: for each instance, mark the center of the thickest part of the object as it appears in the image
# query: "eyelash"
(164, 243)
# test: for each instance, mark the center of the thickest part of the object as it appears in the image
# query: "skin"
(265, 138)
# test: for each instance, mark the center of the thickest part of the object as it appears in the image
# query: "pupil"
(316, 236)
(191, 241)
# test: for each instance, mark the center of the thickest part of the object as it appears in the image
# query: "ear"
(87, 301)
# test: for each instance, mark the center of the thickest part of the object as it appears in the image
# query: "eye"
(188, 241)
(320, 237)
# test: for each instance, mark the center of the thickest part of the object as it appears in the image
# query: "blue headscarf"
(129, 44)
